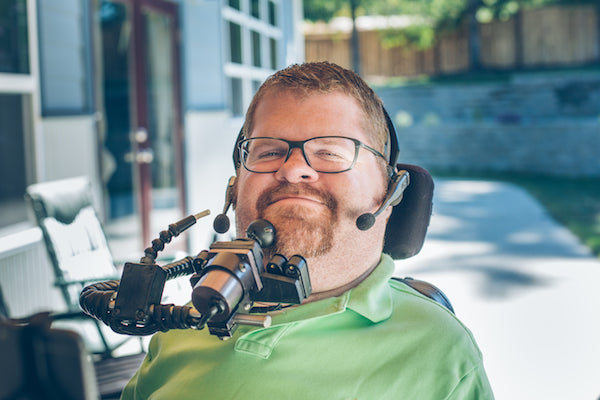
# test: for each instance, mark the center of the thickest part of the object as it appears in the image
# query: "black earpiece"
(236, 156)
(221, 223)
(398, 180)
(392, 148)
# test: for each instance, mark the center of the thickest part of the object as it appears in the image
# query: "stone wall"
(543, 124)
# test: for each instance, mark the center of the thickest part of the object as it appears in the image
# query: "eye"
(332, 150)
(269, 154)
(329, 154)
(266, 150)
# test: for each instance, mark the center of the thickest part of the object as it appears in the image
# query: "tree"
(434, 18)
(436, 15)
(325, 10)
(321, 10)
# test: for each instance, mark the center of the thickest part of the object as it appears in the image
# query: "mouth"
(293, 199)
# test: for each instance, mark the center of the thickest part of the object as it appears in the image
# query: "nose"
(295, 169)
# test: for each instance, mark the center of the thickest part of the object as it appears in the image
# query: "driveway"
(522, 283)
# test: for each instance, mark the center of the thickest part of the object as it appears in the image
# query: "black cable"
(95, 300)
(174, 230)
(182, 267)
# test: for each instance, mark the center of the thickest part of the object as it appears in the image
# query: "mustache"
(275, 193)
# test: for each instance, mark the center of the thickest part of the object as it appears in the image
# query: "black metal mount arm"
(226, 280)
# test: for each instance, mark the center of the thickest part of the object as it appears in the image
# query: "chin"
(301, 231)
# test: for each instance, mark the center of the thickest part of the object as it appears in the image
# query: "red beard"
(299, 230)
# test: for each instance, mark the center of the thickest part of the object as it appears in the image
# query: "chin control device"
(226, 280)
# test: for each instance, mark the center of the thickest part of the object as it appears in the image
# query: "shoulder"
(427, 289)
(432, 344)
(404, 294)
(430, 317)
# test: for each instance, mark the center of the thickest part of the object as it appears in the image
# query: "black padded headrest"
(407, 226)
(61, 199)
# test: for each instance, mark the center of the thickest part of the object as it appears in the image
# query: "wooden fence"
(540, 38)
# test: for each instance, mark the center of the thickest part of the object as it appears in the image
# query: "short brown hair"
(325, 77)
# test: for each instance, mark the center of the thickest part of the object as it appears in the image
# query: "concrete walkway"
(523, 284)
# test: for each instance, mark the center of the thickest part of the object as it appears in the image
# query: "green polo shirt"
(380, 340)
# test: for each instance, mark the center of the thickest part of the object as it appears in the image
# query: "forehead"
(297, 116)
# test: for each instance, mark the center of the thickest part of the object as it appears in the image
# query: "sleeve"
(473, 386)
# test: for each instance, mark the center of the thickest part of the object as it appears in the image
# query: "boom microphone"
(398, 184)
(221, 223)
(365, 221)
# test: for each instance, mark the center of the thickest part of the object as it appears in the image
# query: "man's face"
(310, 210)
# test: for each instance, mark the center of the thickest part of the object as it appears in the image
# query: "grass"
(573, 202)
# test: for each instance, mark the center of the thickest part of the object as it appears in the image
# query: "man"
(312, 159)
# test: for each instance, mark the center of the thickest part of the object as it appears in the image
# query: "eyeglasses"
(328, 154)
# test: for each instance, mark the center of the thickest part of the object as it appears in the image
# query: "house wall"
(70, 149)
(210, 126)
(66, 134)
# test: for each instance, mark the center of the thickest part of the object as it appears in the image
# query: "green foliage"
(435, 16)
(419, 37)
(432, 17)
(322, 10)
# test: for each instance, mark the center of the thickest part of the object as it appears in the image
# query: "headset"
(132, 305)
(398, 181)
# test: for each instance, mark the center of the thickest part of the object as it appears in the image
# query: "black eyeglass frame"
(293, 144)
(392, 148)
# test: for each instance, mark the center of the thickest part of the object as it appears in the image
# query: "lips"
(296, 198)
(295, 193)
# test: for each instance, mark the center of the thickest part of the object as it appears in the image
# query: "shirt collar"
(371, 299)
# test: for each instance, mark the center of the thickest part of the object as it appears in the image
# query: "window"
(12, 160)
(272, 13)
(14, 55)
(273, 52)
(255, 46)
(16, 92)
(235, 36)
(234, 4)
(255, 8)
(256, 54)
(65, 57)
(237, 101)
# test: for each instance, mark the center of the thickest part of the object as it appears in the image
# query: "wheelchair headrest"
(62, 199)
(407, 226)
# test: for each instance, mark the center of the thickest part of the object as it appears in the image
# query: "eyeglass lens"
(324, 154)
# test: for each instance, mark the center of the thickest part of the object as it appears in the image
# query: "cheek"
(378, 183)
(246, 194)
(364, 191)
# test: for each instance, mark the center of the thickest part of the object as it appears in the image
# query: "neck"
(346, 265)
(316, 296)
